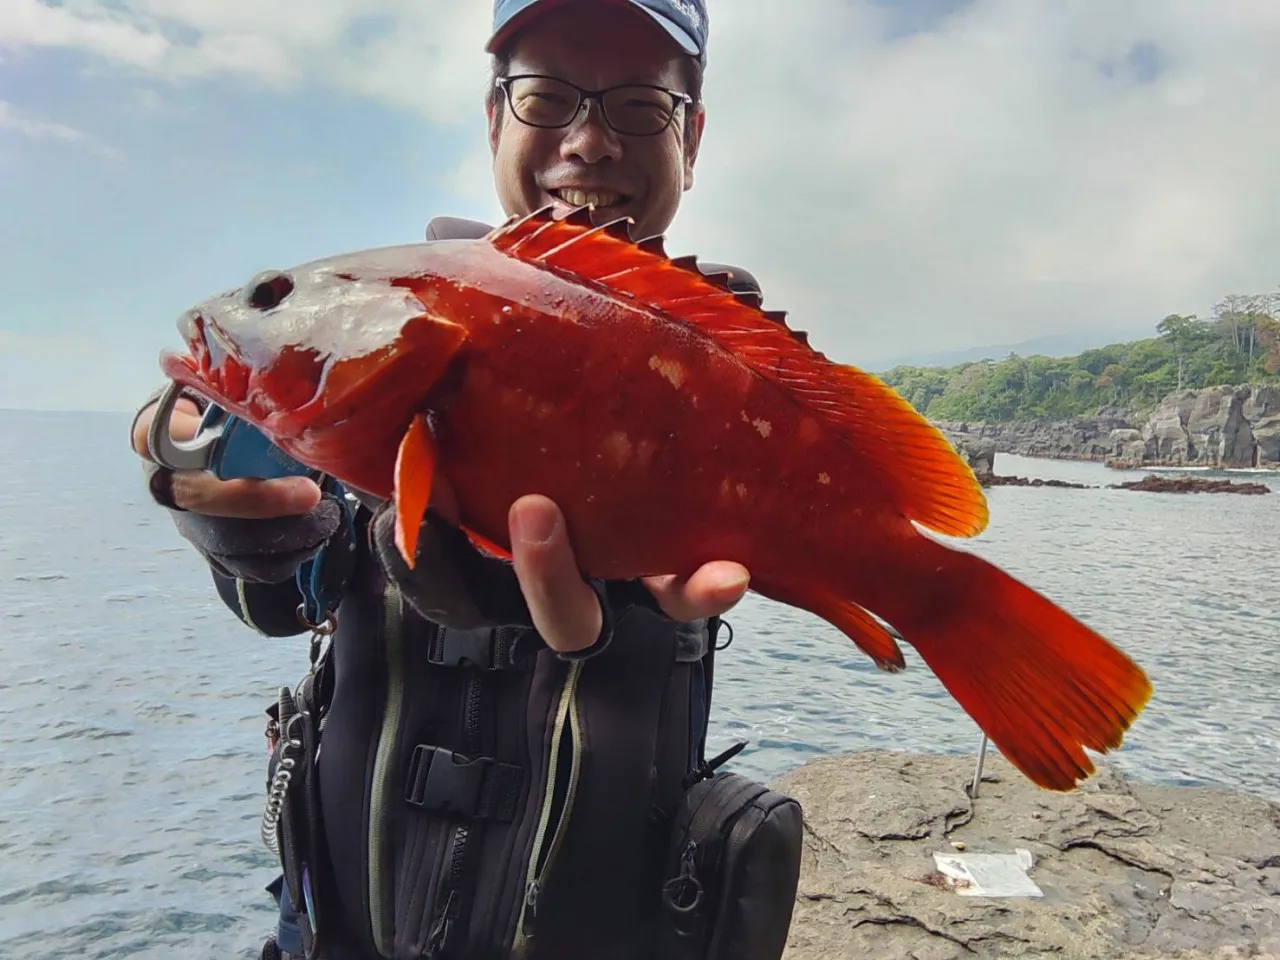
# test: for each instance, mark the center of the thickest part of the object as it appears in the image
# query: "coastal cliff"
(1123, 869)
(1217, 427)
(1081, 438)
(1228, 426)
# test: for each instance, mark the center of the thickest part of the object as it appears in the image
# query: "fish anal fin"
(867, 633)
(915, 464)
(414, 473)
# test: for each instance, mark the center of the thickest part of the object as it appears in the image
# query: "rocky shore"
(1118, 869)
(980, 453)
(1232, 426)
(1153, 484)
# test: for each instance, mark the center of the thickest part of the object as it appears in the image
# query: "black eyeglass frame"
(585, 96)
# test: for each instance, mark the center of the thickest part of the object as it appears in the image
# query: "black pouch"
(733, 867)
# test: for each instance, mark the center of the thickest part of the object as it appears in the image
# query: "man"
(598, 729)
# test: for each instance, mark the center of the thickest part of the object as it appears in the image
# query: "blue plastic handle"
(243, 450)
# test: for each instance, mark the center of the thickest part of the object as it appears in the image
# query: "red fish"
(675, 422)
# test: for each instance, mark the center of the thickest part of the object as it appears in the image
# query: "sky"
(904, 177)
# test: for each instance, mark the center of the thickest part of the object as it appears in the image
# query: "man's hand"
(565, 609)
(203, 493)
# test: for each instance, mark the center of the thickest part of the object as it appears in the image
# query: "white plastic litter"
(990, 874)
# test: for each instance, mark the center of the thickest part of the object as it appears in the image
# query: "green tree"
(1241, 344)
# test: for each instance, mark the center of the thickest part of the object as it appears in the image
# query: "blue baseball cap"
(684, 20)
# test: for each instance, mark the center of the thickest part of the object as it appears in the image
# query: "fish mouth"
(211, 364)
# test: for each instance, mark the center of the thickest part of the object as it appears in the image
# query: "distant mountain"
(1054, 345)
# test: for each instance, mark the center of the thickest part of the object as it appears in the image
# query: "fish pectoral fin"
(415, 470)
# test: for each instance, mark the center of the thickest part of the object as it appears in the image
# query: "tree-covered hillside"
(1240, 344)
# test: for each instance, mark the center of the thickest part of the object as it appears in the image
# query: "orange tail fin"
(1041, 684)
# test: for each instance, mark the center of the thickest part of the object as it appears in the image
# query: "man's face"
(595, 45)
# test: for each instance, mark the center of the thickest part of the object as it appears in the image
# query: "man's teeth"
(578, 198)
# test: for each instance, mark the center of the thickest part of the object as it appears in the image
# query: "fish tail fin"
(1042, 685)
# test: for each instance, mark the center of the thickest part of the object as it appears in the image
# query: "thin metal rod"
(977, 771)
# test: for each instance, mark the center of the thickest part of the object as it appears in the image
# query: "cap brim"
(526, 11)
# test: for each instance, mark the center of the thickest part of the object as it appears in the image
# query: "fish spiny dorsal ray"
(928, 481)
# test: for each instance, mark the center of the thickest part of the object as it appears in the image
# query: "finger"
(564, 608)
(712, 590)
(182, 425)
(246, 499)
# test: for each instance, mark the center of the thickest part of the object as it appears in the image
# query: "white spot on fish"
(742, 490)
(645, 450)
(672, 370)
(824, 477)
(763, 427)
(617, 446)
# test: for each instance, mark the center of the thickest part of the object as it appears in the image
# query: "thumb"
(564, 608)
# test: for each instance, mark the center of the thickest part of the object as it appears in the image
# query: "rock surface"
(978, 452)
(1126, 869)
(1216, 427)
(1085, 438)
(1154, 484)
(1233, 426)
(1005, 480)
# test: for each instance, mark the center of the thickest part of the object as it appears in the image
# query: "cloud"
(418, 54)
(1011, 172)
(1007, 169)
(11, 118)
(88, 26)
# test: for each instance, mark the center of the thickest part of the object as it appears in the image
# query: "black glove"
(459, 586)
(261, 551)
(453, 583)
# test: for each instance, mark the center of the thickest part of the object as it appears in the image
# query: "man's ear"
(494, 118)
(692, 144)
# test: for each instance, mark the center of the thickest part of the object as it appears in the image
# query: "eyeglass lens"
(547, 102)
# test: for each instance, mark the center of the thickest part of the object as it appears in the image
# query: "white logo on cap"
(690, 11)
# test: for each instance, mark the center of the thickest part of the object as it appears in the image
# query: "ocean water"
(131, 745)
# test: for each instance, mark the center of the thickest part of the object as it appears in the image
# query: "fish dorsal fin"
(927, 479)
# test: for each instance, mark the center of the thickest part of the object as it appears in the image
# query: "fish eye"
(268, 290)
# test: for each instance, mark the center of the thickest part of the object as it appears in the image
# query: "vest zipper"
(449, 902)
(381, 919)
(566, 724)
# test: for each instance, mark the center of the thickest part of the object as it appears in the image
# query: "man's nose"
(589, 138)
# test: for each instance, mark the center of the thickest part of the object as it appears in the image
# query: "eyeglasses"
(636, 109)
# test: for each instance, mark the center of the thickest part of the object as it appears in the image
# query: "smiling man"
(506, 746)
(640, 159)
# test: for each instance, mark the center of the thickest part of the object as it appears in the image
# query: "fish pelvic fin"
(415, 471)
(1041, 684)
(914, 463)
